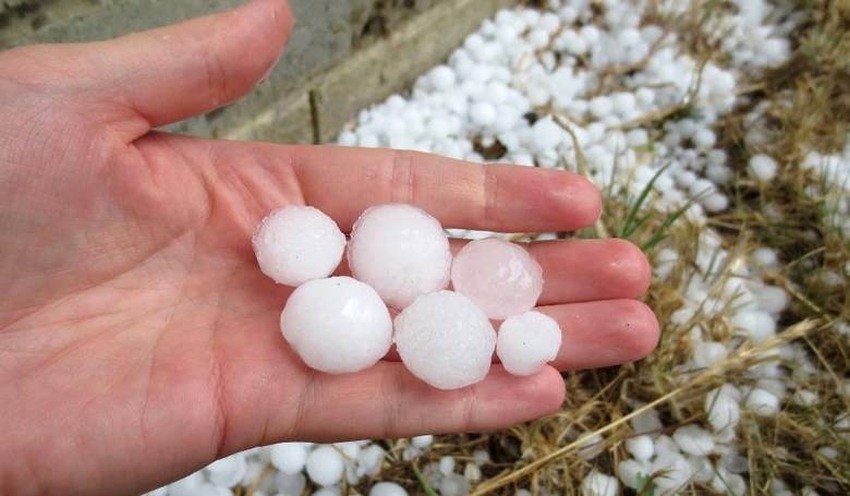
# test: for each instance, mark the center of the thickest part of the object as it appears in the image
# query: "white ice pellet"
(369, 460)
(766, 257)
(546, 134)
(444, 339)
(447, 465)
(722, 409)
(526, 342)
(772, 299)
(325, 466)
(296, 244)
(288, 484)
(708, 353)
(499, 276)
(762, 167)
(422, 442)
(483, 114)
(401, 251)
(337, 325)
(599, 484)
(387, 489)
(632, 473)
(289, 458)
(640, 447)
(228, 471)
(442, 77)
(694, 440)
(805, 398)
(758, 325)
(762, 402)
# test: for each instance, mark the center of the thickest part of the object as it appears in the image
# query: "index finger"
(343, 182)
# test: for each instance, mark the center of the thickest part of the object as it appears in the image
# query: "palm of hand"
(138, 340)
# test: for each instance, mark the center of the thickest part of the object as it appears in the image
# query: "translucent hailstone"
(289, 458)
(599, 484)
(401, 251)
(762, 167)
(387, 489)
(499, 276)
(445, 339)
(694, 440)
(296, 244)
(325, 466)
(337, 325)
(527, 341)
(228, 471)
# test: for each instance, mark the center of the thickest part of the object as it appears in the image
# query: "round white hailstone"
(453, 485)
(325, 466)
(481, 457)
(471, 472)
(709, 353)
(715, 202)
(447, 465)
(499, 276)
(546, 134)
(646, 422)
(228, 471)
(288, 485)
(337, 325)
(538, 38)
(327, 491)
(675, 472)
(828, 452)
(762, 402)
(766, 257)
(701, 467)
(632, 473)
(442, 77)
(601, 106)
(483, 114)
(702, 187)
(387, 489)
(349, 449)
(444, 339)
(599, 484)
(772, 299)
(401, 251)
(422, 442)
(805, 398)
(704, 139)
(762, 167)
(289, 458)
(694, 440)
(723, 410)
(640, 447)
(296, 244)
(591, 446)
(637, 137)
(526, 342)
(758, 325)
(369, 460)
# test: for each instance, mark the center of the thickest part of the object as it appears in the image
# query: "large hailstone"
(296, 244)
(401, 251)
(499, 276)
(527, 341)
(337, 325)
(445, 340)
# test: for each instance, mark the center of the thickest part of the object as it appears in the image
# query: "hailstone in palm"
(527, 341)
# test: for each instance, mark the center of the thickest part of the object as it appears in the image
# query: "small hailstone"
(632, 473)
(442, 77)
(289, 458)
(591, 446)
(447, 465)
(763, 167)
(325, 466)
(481, 457)
(369, 460)
(327, 491)
(708, 353)
(675, 473)
(445, 339)
(337, 325)
(401, 251)
(288, 485)
(453, 485)
(828, 452)
(599, 484)
(694, 440)
(715, 202)
(422, 442)
(472, 472)
(646, 422)
(766, 257)
(499, 276)
(758, 325)
(228, 471)
(601, 106)
(762, 402)
(527, 341)
(296, 244)
(772, 299)
(546, 134)
(387, 489)
(805, 398)
(483, 114)
(349, 449)
(723, 410)
(640, 447)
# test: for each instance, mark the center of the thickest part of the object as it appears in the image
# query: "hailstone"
(527, 341)
(296, 244)
(401, 251)
(499, 276)
(445, 340)
(325, 466)
(337, 325)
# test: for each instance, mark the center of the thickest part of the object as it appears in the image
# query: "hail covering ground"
(609, 91)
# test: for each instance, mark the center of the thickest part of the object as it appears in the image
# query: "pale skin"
(138, 339)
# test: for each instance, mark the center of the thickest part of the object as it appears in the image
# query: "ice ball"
(296, 244)
(499, 276)
(527, 341)
(337, 325)
(401, 251)
(325, 466)
(289, 458)
(387, 489)
(444, 339)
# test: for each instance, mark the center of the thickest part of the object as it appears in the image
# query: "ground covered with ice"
(718, 132)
